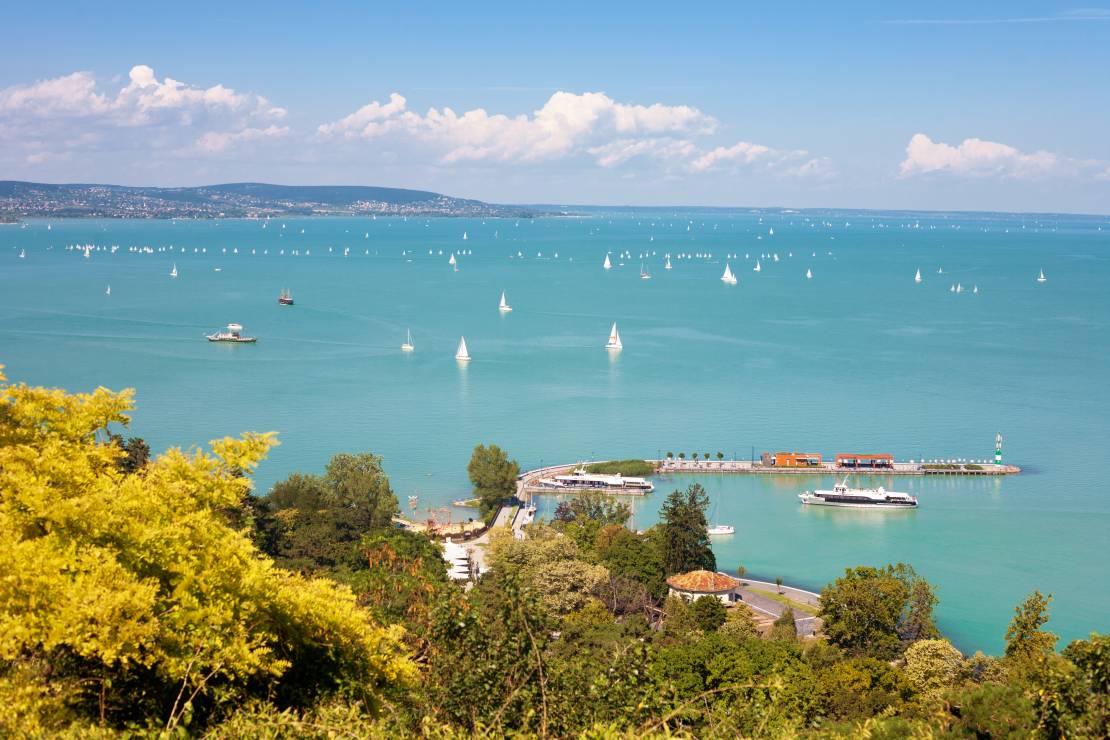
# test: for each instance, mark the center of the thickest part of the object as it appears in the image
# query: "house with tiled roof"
(698, 583)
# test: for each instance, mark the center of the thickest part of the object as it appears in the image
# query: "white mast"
(408, 346)
(504, 305)
(173, 272)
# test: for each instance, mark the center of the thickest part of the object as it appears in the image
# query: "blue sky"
(997, 106)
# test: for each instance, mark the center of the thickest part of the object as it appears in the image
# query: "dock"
(758, 467)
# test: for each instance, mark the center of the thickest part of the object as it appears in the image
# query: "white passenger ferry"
(859, 498)
(580, 480)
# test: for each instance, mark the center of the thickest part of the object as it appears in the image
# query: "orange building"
(853, 461)
(797, 460)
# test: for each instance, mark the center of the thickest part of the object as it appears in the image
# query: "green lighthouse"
(998, 449)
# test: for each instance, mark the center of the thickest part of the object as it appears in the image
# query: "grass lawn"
(783, 599)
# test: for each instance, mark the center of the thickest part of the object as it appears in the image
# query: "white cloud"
(567, 125)
(147, 114)
(978, 158)
(783, 162)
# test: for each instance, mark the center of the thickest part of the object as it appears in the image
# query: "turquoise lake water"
(858, 359)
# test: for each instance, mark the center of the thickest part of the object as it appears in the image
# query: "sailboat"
(1041, 278)
(408, 346)
(809, 274)
(728, 277)
(717, 528)
(757, 267)
(959, 288)
(504, 306)
(461, 354)
(607, 264)
(614, 342)
(465, 237)
(173, 272)
(667, 264)
(975, 289)
(644, 274)
(917, 276)
(109, 291)
(23, 254)
(452, 261)
(285, 298)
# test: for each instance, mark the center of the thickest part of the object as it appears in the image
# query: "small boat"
(408, 346)
(465, 237)
(940, 270)
(173, 271)
(614, 342)
(461, 354)
(1041, 278)
(917, 276)
(109, 291)
(959, 288)
(975, 289)
(504, 306)
(23, 254)
(644, 274)
(720, 529)
(232, 334)
(667, 264)
(728, 277)
(607, 264)
(452, 261)
(757, 267)
(285, 298)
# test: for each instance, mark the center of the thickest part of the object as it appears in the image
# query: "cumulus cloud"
(980, 158)
(568, 124)
(40, 119)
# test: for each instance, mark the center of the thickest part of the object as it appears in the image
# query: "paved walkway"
(750, 594)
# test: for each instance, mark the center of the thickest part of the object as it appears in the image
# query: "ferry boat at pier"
(233, 334)
(580, 480)
(859, 498)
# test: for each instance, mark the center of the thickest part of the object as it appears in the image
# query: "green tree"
(778, 583)
(740, 572)
(600, 508)
(319, 520)
(684, 531)
(865, 611)
(709, 613)
(670, 455)
(1026, 642)
(136, 452)
(128, 599)
(859, 688)
(933, 665)
(493, 476)
(1092, 659)
(739, 624)
(720, 455)
(917, 623)
(682, 456)
(631, 555)
(784, 627)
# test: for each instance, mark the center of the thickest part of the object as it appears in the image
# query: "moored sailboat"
(504, 306)
(408, 346)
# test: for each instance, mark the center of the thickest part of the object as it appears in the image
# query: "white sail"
(644, 274)
(607, 264)
(173, 272)
(23, 254)
(975, 289)
(667, 265)
(809, 274)
(1041, 278)
(109, 291)
(462, 355)
(917, 276)
(452, 261)
(504, 305)
(614, 342)
(465, 237)
(728, 277)
(757, 267)
(408, 346)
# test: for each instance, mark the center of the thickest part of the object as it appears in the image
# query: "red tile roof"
(702, 582)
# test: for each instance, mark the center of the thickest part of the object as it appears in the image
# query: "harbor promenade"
(748, 467)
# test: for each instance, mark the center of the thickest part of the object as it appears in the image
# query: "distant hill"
(233, 200)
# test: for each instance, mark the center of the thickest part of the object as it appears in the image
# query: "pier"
(758, 467)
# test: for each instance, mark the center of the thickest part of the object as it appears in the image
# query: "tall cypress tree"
(685, 531)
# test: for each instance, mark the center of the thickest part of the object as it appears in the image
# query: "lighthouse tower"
(998, 449)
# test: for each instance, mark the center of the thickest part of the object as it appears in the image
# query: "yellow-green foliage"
(108, 578)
